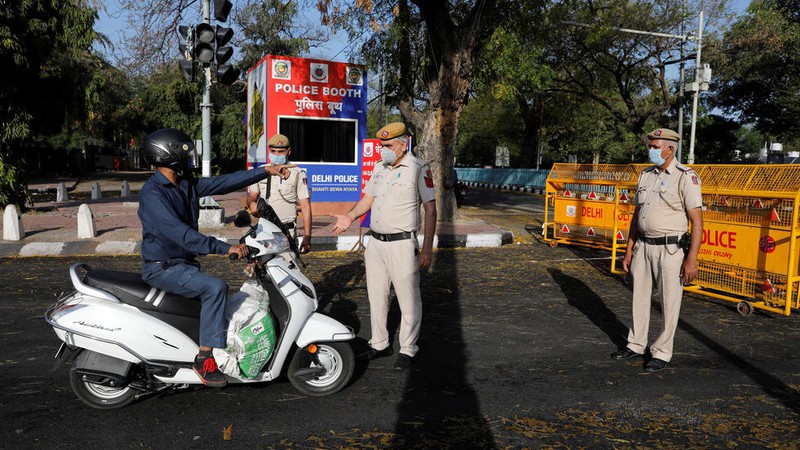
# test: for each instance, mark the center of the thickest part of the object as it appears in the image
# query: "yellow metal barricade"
(591, 205)
(749, 252)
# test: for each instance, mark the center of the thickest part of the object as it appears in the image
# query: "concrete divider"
(126, 189)
(61, 193)
(86, 228)
(96, 193)
(12, 224)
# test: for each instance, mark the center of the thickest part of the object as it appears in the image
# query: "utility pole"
(698, 80)
(681, 81)
(206, 105)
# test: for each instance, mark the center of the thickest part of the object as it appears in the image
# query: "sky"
(113, 22)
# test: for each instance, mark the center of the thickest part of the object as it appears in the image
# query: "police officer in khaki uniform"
(285, 195)
(393, 194)
(667, 199)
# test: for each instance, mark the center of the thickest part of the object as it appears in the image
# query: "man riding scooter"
(169, 209)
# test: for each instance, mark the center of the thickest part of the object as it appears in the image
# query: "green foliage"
(44, 52)
(758, 68)
(166, 100)
(267, 29)
(229, 147)
(487, 123)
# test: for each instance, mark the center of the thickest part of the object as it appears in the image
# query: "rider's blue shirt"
(169, 214)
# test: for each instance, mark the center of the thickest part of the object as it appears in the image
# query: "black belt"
(663, 240)
(171, 262)
(392, 237)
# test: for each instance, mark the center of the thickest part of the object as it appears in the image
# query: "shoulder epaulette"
(683, 168)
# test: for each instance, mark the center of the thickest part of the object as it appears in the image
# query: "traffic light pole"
(205, 106)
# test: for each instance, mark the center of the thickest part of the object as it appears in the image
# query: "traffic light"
(221, 9)
(226, 73)
(186, 64)
(203, 49)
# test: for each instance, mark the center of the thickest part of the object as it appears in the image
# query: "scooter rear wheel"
(336, 362)
(98, 396)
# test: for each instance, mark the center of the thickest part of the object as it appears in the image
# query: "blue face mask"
(277, 160)
(654, 154)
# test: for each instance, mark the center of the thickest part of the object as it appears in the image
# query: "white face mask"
(277, 160)
(388, 156)
(654, 154)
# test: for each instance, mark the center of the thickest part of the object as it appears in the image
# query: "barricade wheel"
(553, 244)
(745, 308)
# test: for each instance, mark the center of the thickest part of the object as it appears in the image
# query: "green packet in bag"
(258, 341)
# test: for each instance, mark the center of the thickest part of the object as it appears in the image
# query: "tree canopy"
(544, 79)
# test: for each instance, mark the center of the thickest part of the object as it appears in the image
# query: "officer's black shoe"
(403, 362)
(655, 364)
(371, 354)
(625, 353)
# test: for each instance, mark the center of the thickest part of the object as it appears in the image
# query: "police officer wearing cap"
(285, 195)
(169, 208)
(393, 194)
(667, 200)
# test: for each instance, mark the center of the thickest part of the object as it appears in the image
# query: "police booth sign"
(321, 106)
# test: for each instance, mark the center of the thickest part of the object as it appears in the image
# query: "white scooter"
(128, 339)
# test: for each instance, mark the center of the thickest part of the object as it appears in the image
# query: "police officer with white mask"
(667, 200)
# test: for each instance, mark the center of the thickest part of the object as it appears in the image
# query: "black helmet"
(167, 147)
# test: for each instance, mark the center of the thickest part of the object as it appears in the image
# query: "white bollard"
(126, 189)
(61, 193)
(86, 229)
(96, 194)
(12, 224)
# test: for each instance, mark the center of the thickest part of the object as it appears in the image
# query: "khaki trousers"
(394, 263)
(655, 266)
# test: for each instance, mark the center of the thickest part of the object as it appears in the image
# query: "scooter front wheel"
(324, 372)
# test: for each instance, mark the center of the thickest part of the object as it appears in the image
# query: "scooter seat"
(130, 289)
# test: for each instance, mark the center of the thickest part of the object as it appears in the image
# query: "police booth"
(321, 106)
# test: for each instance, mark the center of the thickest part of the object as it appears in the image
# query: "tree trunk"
(452, 49)
(437, 129)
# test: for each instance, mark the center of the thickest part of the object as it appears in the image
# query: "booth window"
(320, 140)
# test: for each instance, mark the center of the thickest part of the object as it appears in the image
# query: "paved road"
(515, 354)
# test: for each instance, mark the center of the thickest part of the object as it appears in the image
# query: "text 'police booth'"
(321, 106)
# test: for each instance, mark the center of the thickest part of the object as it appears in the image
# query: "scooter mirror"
(242, 219)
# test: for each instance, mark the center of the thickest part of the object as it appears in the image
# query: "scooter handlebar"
(251, 251)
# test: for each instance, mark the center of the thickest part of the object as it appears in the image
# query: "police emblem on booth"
(281, 69)
(354, 76)
(319, 72)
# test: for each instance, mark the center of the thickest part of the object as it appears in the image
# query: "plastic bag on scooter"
(251, 332)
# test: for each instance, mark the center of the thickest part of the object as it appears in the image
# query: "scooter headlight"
(277, 243)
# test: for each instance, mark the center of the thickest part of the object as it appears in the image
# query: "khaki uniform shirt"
(285, 194)
(663, 198)
(397, 193)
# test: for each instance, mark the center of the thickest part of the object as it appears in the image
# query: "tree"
(625, 73)
(44, 48)
(426, 50)
(271, 27)
(758, 68)
(266, 27)
(511, 69)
